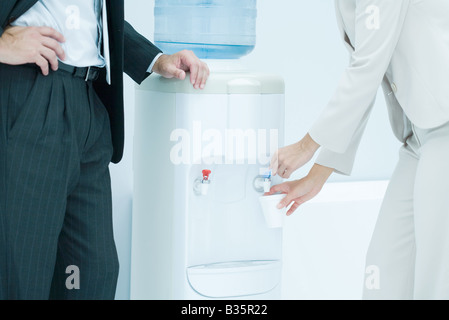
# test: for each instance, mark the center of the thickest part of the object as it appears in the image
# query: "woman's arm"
(374, 45)
(340, 127)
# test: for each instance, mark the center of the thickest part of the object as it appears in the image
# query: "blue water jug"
(213, 29)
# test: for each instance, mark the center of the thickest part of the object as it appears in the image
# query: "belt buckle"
(87, 74)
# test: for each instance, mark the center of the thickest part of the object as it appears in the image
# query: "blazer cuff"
(150, 68)
(322, 133)
(316, 133)
(342, 163)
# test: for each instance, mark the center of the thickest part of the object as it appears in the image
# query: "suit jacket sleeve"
(139, 54)
(343, 163)
(338, 127)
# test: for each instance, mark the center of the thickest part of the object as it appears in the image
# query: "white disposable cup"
(274, 217)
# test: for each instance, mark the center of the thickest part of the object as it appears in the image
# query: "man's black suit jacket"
(130, 53)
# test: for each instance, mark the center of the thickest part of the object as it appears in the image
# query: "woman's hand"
(288, 159)
(302, 190)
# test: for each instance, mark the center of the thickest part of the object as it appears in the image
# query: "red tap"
(206, 174)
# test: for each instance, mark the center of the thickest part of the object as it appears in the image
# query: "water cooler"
(200, 166)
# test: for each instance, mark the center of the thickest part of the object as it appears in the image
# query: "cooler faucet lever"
(201, 186)
(206, 175)
(262, 183)
(266, 184)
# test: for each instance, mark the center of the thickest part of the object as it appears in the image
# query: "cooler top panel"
(219, 83)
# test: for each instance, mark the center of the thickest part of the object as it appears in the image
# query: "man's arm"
(140, 54)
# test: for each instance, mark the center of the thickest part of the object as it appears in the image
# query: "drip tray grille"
(235, 278)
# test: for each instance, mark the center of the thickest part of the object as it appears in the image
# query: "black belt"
(86, 73)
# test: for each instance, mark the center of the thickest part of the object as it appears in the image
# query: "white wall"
(299, 40)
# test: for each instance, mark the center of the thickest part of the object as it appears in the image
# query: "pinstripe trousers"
(55, 192)
(408, 257)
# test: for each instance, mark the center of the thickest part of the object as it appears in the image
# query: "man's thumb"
(179, 74)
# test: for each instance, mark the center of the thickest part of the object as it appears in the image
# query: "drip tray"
(235, 279)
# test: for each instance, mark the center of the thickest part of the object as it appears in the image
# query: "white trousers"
(408, 257)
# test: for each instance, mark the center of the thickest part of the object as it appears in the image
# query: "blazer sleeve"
(343, 163)
(139, 54)
(338, 126)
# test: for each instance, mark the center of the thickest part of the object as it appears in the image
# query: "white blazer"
(402, 45)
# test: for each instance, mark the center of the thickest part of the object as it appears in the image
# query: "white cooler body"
(194, 240)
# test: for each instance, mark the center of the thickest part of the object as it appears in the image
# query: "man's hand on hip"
(176, 66)
(39, 45)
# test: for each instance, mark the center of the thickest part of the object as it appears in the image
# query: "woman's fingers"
(289, 189)
(299, 201)
(288, 159)
(285, 202)
(284, 172)
(300, 191)
(292, 209)
(274, 163)
(279, 188)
